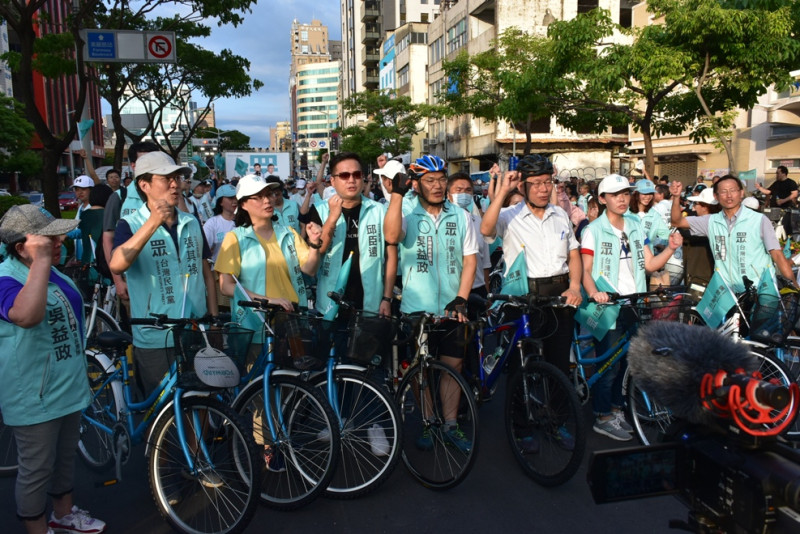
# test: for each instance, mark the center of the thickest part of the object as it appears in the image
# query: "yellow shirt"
(278, 284)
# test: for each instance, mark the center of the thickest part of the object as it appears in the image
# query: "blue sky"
(264, 39)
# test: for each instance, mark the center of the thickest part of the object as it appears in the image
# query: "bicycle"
(203, 468)
(292, 422)
(427, 393)
(542, 410)
(368, 417)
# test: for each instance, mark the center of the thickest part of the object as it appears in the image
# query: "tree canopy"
(15, 139)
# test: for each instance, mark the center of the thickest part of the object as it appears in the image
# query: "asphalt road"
(495, 498)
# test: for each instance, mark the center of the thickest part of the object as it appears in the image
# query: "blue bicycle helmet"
(535, 165)
(428, 163)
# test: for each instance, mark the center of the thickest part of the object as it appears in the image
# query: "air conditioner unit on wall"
(426, 144)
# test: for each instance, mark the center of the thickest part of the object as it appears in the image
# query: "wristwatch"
(315, 246)
(386, 299)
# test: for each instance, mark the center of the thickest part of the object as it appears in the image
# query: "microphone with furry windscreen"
(703, 376)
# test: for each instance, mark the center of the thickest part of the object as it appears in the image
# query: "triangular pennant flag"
(200, 163)
(717, 300)
(767, 286)
(246, 317)
(341, 283)
(241, 167)
(84, 127)
(515, 281)
(219, 162)
(598, 318)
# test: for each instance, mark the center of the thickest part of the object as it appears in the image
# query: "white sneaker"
(611, 429)
(619, 415)
(377, 440)
(78, 522)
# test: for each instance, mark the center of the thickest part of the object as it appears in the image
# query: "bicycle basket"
(673, 309)
(774, 317)
(369, 338)
(302, 342)
(204, 358)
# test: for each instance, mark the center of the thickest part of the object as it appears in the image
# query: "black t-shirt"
(354, 291)
(781, 189)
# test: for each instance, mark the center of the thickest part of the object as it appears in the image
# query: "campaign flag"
(341, 283)
(245, 317)
(598, 318)
(767, 287)
(200, 163)
(84, 127)
(219, 162)
(515, 281)
(717, 300)
(241, 167)
(787, 249)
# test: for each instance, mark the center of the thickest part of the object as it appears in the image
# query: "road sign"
(127, 46)
(313, 144)
(322, 144)
(159, 46)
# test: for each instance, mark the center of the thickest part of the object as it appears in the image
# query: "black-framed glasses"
(356, 175)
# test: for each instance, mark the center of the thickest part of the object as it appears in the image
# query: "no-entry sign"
(127, 46)
(159, 46)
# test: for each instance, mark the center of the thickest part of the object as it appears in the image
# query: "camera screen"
(638, 472)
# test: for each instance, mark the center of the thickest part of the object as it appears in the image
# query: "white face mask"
(462, 199)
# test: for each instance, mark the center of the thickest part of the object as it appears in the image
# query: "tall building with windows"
(6, 88)
(317, 108)
(364, 25)
(473, 145)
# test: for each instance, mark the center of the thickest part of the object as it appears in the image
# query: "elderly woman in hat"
(43, 375)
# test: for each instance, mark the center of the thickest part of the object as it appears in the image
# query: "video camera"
(731, 470)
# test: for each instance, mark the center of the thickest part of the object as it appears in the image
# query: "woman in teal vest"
(615, 247)
(43, 374)
(268, 260)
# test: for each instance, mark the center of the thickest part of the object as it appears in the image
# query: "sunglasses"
(356, 175)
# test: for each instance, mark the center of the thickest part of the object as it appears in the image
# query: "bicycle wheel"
(370, 434)
(219, 494)
(437, 456)
(103, 322)
(96, 443)
(650, 419)
(544, 424)
(8, 450)
(301, 458)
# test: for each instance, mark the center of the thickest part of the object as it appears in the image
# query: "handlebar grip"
(144, 321)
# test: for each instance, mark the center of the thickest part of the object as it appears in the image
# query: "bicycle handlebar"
(556, 301)
(658, 292)
(260, 304)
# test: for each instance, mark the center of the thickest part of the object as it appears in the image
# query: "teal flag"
(767, 287)
(219, 162)
(515, 281)
(245, 317)
(341, 283)
(84, 127)
(748, 175)
(241, 167)
(598, 318)
(717, 300)
(787, 249)
(200, 163)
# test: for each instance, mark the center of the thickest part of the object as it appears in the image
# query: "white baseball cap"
(251, 184)
(83, 181)
(750, 202)
(159, 163)
(706, 196)
(300, 184)
(391, 169)
(614, 183)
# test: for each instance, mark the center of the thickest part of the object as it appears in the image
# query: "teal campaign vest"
(741, 251)
(289, 215)
(607, 249)
(252, 277)
(431, 259)
(157, 277)
(132, 201)
(371, 255)
(42, 368)
(655, 228)
(203, 206)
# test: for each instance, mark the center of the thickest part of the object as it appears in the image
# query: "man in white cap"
(163, 252)
(615, 247)
(82, 186)
(299, 192)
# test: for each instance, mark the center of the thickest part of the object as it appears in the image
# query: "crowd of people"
(180, 246)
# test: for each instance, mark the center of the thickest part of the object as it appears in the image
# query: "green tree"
(15, 138)
(228, 140)
(495, 85)
(391, 122)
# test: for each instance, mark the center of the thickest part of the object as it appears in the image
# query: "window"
(457, 35)
(787, 162)
(423, 17)
(304, 49)
(436, 50)
(402, 76)
(584, 6)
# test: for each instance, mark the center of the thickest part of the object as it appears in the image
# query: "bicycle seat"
(114, 340)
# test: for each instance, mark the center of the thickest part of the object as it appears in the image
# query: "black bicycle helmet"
(535, 165)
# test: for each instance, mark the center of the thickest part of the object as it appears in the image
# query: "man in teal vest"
(438, 249)
(742, 241)
(163, 252)
(352, 230)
